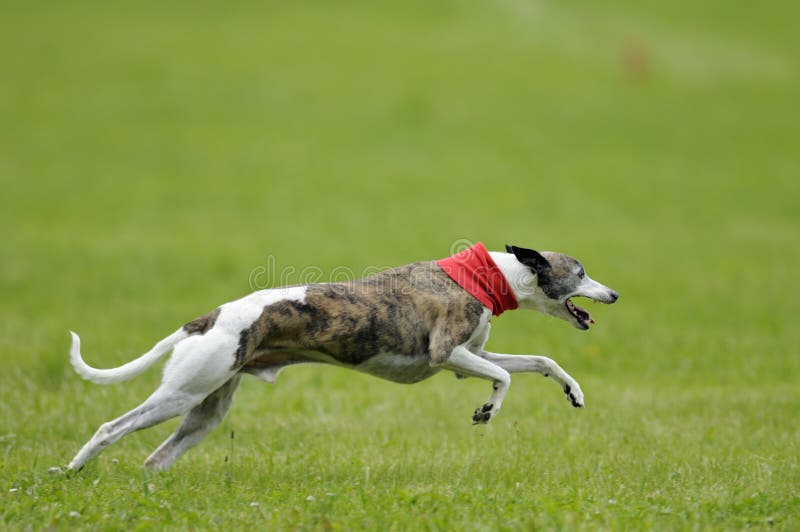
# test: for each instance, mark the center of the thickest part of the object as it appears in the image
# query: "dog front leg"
(463, 362)
(539, 364)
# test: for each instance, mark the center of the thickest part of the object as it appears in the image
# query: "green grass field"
(154, 156)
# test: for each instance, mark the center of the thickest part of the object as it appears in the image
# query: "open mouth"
(580, 314)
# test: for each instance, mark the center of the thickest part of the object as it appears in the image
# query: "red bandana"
(475, 271)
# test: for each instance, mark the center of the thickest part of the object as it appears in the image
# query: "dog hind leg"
(159, 407)
(199, 366)
(197, 423)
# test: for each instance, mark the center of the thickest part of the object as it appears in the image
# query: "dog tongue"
(580, 312)
(584, 314)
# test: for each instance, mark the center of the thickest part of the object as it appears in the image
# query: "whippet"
(404, 325)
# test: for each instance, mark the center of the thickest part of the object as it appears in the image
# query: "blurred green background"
(153, 156)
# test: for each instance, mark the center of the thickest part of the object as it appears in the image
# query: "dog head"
(555, 279)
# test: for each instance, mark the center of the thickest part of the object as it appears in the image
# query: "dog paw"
(483, 414)
(574, 394)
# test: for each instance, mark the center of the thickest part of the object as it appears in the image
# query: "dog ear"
(530, 258)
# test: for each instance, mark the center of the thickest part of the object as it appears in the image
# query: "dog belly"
(405, 369)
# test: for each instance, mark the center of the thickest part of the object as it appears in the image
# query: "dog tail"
(126, 371)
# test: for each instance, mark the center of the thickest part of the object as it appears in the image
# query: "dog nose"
(614, 296)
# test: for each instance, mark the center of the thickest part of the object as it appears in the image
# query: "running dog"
(404, 325)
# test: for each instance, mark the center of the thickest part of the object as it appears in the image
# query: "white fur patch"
(238, 315)
(480, 335)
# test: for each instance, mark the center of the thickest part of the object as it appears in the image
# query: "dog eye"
(581, 274)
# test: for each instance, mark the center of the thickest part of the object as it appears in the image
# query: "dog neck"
(475, 271)
(518, 276)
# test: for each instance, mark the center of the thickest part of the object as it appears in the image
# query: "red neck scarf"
(475, 271)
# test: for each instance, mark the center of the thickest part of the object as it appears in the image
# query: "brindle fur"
(203, 323)
(410, 310)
